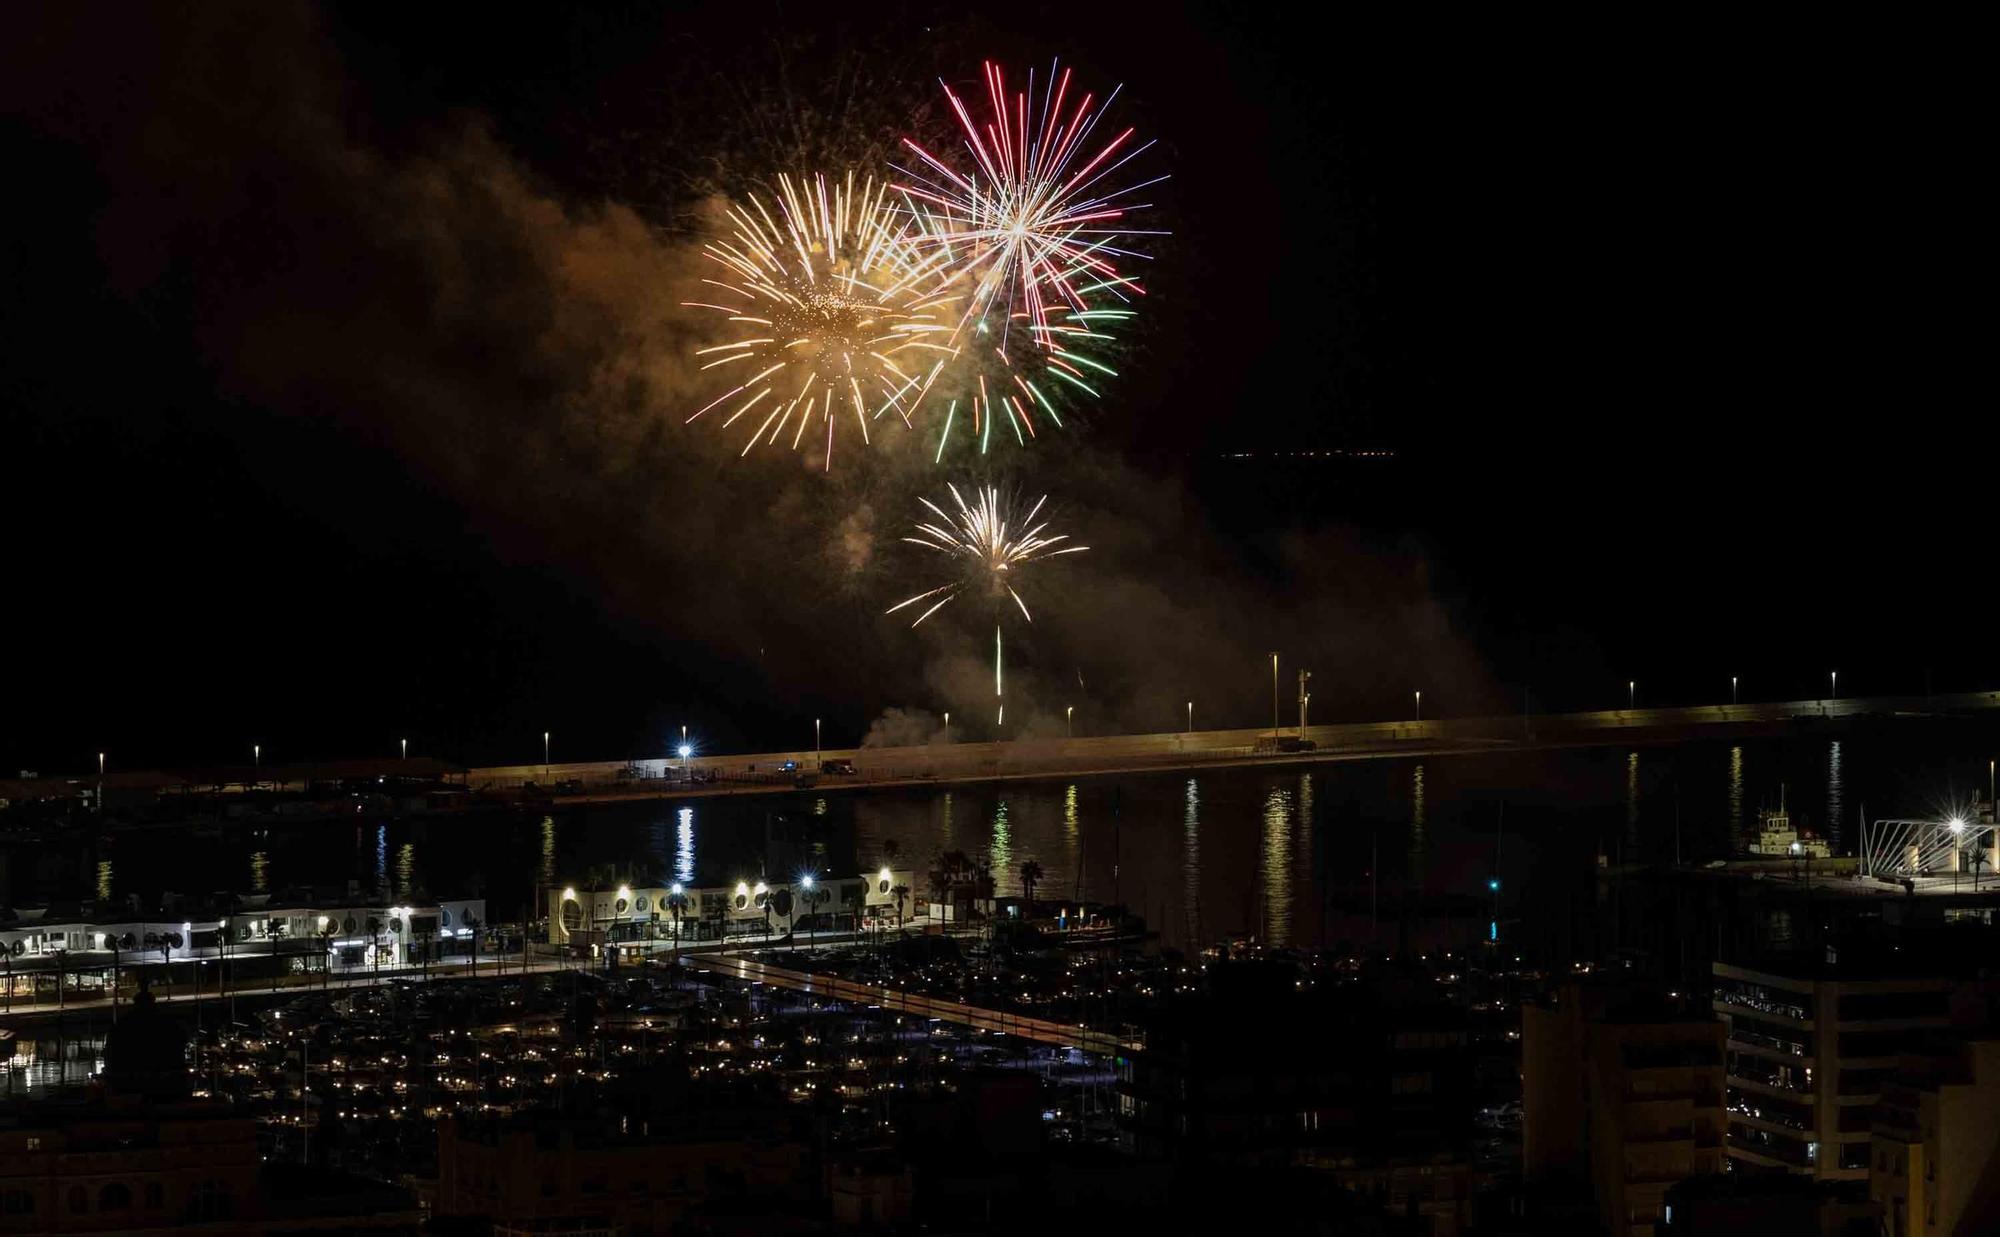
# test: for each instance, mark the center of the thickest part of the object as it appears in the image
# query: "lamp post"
(1420, 706)
(1631, 694)
(947, 725)
(1732, 690)
(1957, 832)
(1190, 725)
(406, 748)
(256, 754)
(1274, 695)
(1833, 684)
(1069, 721)
(815, 740)
(545, 753)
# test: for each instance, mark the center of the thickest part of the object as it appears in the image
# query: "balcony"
(1735, 1005)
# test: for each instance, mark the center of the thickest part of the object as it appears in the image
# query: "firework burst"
(1029, 237)
(841, 319)
(988, 546)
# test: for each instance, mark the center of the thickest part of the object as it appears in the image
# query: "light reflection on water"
(1005, 880)
(684, 846)
(1191, 863)
(1275, 868)
(1073, 839)
(1419, 834)
(48, 1066)
(1737, 824)
(1632, 839)
(1227, 852)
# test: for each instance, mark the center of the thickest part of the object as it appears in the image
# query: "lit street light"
(1420, 706)
(1631, 693)
(1069, 720)
(1833, 684)
(947, 725)
(545, 753)
(1190, 717)
(1732, 689)
(815, 739)
(1274, 695)
(256, 754)
(406, 749)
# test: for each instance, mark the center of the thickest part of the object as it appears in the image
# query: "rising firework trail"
(840, 317)
(1031, 234)
(987, 546)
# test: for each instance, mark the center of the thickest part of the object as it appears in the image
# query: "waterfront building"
(52, 954)
(1935, 1146)
(1809, 1051)
(1624, 1092)
(634, 919)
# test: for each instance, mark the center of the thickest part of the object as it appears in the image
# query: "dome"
(145, 1052)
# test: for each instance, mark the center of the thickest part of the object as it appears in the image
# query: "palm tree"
(1031, 875)
(956, 873)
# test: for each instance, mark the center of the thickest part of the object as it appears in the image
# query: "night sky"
(344, 378)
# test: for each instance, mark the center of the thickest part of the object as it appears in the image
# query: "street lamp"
(406, 748)
(1631, 693)
(1069, 720)
(1190, 717)
(947, 725)
(1420, 706)
(1274, 695)
(815, 740)
(1833, 684)
(1732, 690)
(256, 754)
(545, 753)
(1957, 825)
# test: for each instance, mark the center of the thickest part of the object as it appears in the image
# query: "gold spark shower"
(988, 546)
(841, 319)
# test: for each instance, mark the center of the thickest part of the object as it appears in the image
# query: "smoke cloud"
(524, 348)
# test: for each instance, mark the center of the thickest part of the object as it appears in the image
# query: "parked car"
(843, 767)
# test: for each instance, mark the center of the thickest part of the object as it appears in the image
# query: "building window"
(17, 1203)
(640, 904)
(210, 1202)
(155, 1196)
(116, 1196)
(79, 1199)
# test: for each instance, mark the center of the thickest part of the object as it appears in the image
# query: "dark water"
(1302, 856)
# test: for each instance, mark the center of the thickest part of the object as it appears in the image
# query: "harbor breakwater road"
(942, 763)
(915, 1005)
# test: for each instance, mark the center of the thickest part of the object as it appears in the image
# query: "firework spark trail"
(831, 303)
(1029, 236)
(982, 540)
